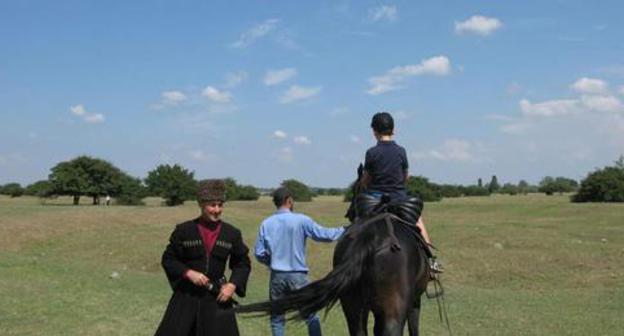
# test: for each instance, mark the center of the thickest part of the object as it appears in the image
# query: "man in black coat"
(194, 262)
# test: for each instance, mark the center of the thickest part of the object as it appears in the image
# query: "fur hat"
(211, 190)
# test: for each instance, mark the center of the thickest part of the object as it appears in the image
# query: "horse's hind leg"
(413, 318)
(356, 313)
(388, 325)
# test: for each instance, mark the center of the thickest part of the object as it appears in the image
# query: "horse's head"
(356, 189)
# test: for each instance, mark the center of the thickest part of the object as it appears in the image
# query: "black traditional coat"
(192, 310)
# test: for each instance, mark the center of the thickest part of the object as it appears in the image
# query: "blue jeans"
(281, 283)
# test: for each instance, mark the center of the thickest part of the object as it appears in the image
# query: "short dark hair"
(280, 195)
(383, 123)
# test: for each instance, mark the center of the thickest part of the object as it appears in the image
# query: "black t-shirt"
(387, 165)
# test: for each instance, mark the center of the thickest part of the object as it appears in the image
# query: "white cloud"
(216, 96)
(279, 134)
(88, 117)
(285, 155)
(383, 13)
(199, 155)
(499, 117)
(173, 97)
(233, 79)
(302, 140)
(255, 33)
(451, 150)
(549, 108)
(296, 93)
(355, 139)
(78, 110)
(393, 78)
(516, 127)
(602, 103)
(94, 118)
(478, 24)
(273, 77)
(621, 90)
(590, 85)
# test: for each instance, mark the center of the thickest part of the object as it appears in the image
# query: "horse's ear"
(360, 170)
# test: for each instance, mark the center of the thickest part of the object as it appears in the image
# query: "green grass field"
(516, 265)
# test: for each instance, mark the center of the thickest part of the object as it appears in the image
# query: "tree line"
(85, 176)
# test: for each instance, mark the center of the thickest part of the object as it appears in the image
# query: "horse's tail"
(325, 292)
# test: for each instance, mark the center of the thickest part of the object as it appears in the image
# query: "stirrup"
(434, 287)
(434, 266)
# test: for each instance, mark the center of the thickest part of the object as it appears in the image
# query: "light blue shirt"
(281, 241)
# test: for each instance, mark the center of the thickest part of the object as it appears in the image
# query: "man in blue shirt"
(281, 246)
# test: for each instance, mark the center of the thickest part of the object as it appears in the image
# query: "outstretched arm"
(320, 233)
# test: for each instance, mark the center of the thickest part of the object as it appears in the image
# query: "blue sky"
(266, 91)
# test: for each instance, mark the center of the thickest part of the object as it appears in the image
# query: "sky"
(268, 91)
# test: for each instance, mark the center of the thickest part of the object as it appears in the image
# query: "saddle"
(408, 209)
(407, 212)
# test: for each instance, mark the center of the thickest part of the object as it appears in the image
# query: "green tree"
(421, 187)
(509, 188)
(493, 186)
(131, 191)
(237, 192)
(12, 189)
(547, 185)
(550, 185)
(42, 188)
(565, 184)
(85, 175)
(174, 183)
(603, 185)
(475, 190)
(300, 191)
(248, 193)
(523, 187)
(449, 190)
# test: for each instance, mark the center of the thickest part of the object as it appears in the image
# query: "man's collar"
(282, 210)
(208, 223)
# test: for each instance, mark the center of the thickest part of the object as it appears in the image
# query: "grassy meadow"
(516, 265)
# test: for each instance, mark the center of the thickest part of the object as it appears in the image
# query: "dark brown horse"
(380, 266)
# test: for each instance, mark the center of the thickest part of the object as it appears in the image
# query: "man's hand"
(227, 290)
(198, 279)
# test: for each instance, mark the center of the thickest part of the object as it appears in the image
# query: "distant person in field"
(386, 169)
(194, 262)
(108, 199)
(281, 246)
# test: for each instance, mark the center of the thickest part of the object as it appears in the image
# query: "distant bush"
(449, 190)
(421, 187)
(131, 191)
(550, 185)
(41, 188)
(236, 192)
(603, 185)
(12, 189)
(300, 191)
(508, 188)
(475, 190)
